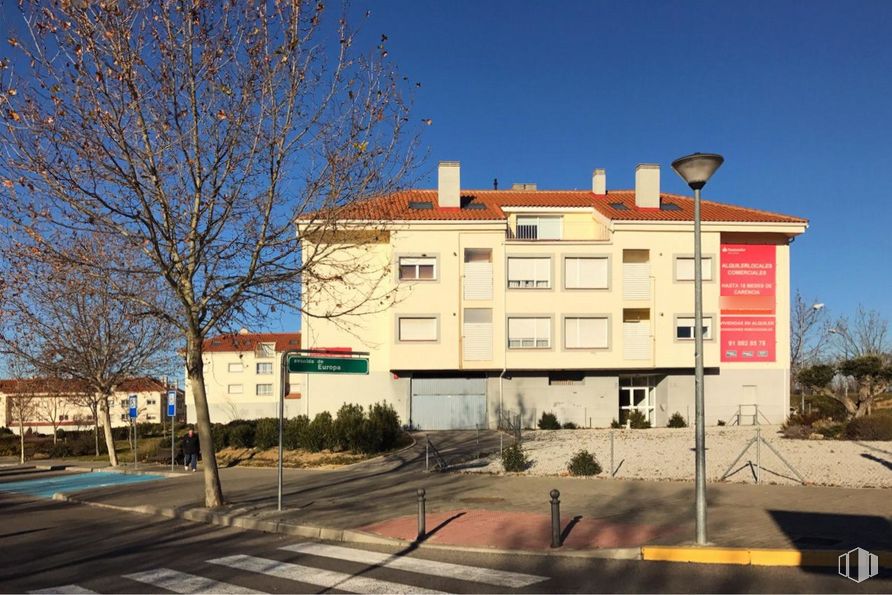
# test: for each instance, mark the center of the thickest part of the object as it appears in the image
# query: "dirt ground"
(296, 459)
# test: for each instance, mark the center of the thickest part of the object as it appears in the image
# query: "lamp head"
(697, 168)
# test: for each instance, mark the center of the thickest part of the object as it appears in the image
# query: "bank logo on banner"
(747, 302)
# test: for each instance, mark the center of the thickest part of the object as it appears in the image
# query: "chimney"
(599, 181)
(449, 184)
(647, 186)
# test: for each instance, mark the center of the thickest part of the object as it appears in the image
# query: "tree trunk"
(21, 440)
(55, 433)
(96, 431)
(213, 491)
(109, 438)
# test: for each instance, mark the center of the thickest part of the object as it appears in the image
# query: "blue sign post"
(171, 403)
(132, 406)
(133, 414)
(172, 414)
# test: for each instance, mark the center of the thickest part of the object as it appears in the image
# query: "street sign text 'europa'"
(328, 365)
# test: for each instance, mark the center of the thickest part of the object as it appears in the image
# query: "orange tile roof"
(234, 342)
(71, 386)
(395, 207)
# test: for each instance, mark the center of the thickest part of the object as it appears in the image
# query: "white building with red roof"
(580, 303)
(242, 375)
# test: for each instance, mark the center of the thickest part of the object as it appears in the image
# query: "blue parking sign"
(132, 406)
(171, 403)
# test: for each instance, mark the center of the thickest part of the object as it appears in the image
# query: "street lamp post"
(695, 170)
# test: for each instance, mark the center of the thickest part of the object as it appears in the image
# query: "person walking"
(190, 450)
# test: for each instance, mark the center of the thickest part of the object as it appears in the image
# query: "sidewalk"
(512, 512)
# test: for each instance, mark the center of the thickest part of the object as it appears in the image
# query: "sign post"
(310, 361)
(133, 413)
(172, 414)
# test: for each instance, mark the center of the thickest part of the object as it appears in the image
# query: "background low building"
(242, 375)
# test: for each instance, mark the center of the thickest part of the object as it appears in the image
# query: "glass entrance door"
(636, 394)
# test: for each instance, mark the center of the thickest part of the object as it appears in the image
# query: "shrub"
(318, 435)
(677, 421)
(570, 426)
(266, 433)
(514, 458)
(220, 436)
(83, 446)
(348, 428)
(549, 421)
(872, 427)
(294, 431)
(60, 450)
(583, 463)
(615, 424)
(721, 422)
(638, 420)
(240, 434)
(4, 431)
(384, 422)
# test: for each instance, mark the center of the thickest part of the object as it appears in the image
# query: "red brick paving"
(518, 530)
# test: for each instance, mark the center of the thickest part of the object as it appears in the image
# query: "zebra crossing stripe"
(182, 582)
(489, 576)
(65, 589)
(316, 576)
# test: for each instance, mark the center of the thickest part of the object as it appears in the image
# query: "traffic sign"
(171, 403)
(328, 365)
(132, 406)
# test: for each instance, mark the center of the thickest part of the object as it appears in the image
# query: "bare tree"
(70, 325)
(865, 334)
(871, 375)
(21, 399)
(51, 408)
(197, 132)
(809, 332)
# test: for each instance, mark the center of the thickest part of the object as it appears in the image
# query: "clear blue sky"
(796, 95)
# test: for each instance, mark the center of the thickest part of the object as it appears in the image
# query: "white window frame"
(266, 365)
(266, 350)
(535, 282)
(235, 389)
(235, 368)
(435, 320)
(708, 269)
(264, 392)
(417, 262)
(536, 220)
(535, 341)
(567, 260)
(688, 319)
(591, 346)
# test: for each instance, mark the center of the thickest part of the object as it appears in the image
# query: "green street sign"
(327, 365)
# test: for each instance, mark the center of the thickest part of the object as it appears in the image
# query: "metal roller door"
(448, 403)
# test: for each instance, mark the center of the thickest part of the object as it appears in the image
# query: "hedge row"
(353, 429)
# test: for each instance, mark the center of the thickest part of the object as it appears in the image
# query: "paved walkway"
(512, 511)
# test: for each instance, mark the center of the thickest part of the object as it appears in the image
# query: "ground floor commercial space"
(442, 400)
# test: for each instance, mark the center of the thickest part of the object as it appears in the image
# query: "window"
(684, 268)
(529, 333)
(151, 417)
(266, 350)
(684, 328)
(418, 268)
(264, 367)
(264, 390)
(235, 389)
(125, 417)
(235, 368)
(586, 333)
(538, 228)
(151, 402)
(586, 273)
(125, 404)
(529, 273)
(417, 328)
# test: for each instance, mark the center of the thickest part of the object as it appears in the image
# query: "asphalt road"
(63, 547)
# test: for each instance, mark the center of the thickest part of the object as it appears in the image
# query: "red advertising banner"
(747, 300)
(748, 338)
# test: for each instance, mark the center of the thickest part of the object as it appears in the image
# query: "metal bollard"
(612, 468)
(555, 519)
(421, 516)
(427, 456)
(758, 456)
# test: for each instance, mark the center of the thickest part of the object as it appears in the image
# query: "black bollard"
(421, 516)
(555, 519)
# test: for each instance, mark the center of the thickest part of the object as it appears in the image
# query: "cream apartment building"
(242, 374)
(581, 303)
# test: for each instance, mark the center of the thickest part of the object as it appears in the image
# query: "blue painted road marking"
(45, 488)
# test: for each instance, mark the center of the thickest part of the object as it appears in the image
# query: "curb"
(750, 556)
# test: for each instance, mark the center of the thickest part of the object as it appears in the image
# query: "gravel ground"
(667, 454)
